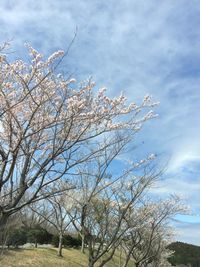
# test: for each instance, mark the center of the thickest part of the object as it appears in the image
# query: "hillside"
(185, 254)
(43, 257)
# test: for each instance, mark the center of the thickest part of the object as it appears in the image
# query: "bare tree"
(29, 219)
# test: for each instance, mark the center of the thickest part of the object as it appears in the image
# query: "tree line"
(186, 254)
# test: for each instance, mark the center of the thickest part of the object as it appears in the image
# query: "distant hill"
(185, 254)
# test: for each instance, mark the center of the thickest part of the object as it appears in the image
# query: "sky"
(138, 47)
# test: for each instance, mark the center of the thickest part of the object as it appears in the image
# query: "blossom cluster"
(35, 98)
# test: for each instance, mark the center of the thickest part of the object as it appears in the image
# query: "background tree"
(16, 238)
(103, 222)
(53, 210)
(146, 242)
(93, 178)
(38, 235)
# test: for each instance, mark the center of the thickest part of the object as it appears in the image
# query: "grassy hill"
(46, 257)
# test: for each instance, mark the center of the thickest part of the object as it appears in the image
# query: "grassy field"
(46, 257)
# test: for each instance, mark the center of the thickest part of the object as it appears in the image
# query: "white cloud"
(188, 232)
(183, 159)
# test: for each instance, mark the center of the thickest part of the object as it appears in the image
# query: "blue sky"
(138, 47)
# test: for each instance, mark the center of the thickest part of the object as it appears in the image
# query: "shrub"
(68, 241)
(39, 235)
(16, 238)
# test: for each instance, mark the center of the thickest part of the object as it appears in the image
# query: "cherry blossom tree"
(99, 215)
(48, 122)
(149, 232)
(94, 177)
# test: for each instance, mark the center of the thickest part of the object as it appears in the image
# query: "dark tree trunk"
(3, 233)
(104, 262)
(35, 243)
(3, 221)
(90, 263)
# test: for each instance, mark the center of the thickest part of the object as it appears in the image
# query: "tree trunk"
(60, 245)
(35, 243)
(83, 243)
(126, 262)
(90, 263)
(105, 260)
(127, 259)
(3, 221)
(3, 227)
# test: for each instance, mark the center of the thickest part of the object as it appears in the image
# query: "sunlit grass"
(46, 257)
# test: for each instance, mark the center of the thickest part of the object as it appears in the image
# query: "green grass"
(46, 257)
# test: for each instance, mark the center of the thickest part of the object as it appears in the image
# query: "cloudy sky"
(139, 47)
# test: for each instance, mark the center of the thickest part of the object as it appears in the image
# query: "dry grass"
(43, 257)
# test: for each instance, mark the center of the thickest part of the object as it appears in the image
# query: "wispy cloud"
(188, 232)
